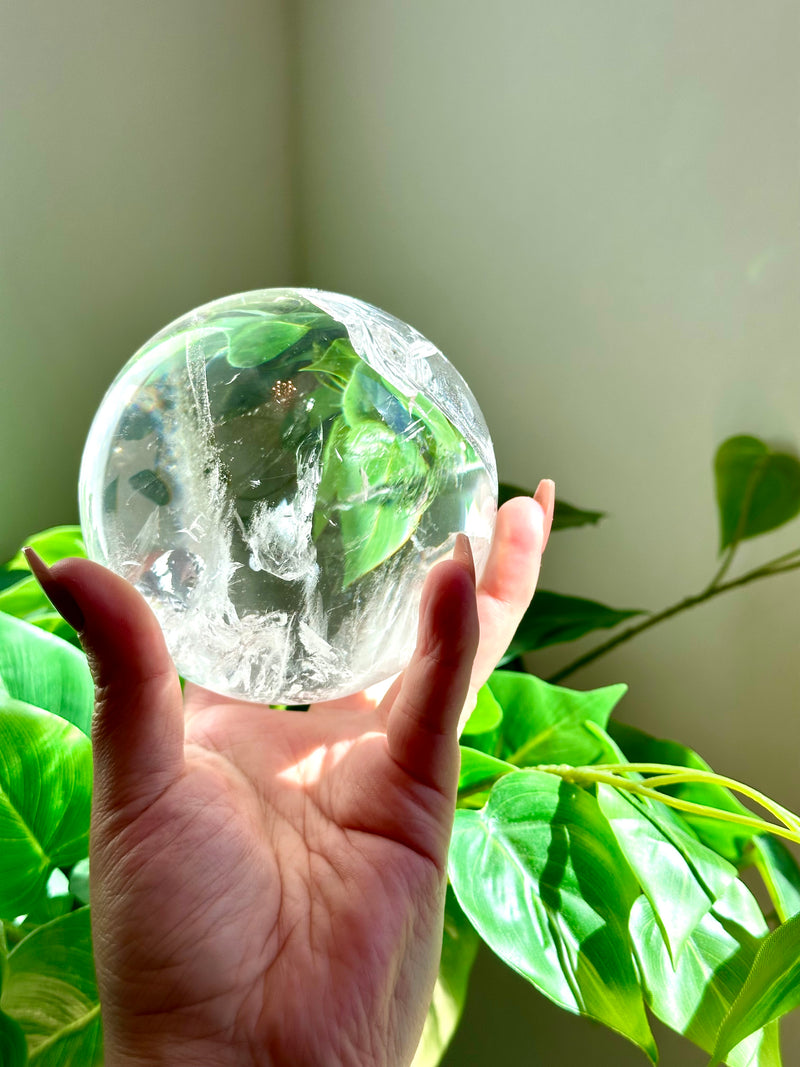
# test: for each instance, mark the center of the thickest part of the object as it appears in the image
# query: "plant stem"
(669, 774)
(775, 566)
(589, 775)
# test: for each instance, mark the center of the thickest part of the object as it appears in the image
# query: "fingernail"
(545, 497)
(60, 598)
(462, 553)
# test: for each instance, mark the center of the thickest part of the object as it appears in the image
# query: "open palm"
(268, 886)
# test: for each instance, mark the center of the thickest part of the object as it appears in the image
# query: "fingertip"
(545, 496)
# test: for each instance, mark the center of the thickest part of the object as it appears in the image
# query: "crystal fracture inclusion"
(277, 472)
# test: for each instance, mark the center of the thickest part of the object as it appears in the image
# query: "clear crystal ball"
(276, 472)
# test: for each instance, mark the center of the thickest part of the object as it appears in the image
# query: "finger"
(512, 571)
(422, 722)
(137, 730)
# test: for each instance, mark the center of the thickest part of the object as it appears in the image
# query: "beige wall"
(592, 207)
(143, 169)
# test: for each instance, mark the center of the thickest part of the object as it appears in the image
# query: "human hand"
(268, 887)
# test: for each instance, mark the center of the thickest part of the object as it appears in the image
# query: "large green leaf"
(771, 990)
(726, 838)
(553, 619)
(543, 723)
(758, 489)
(680, 877)
(53, 544)
(565, 515)
(540, 876)
(779, 869)
(25, 600)
(52, 993)
(39, 668)
(459, 946)
(694, 996)
(13, 1047)
(486, 715)
(45, 796)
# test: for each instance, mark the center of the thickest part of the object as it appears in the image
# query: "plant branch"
(589, 775)
(775, 566)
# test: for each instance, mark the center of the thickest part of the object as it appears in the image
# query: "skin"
(268, 886)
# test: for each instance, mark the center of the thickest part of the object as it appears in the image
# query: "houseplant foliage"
(602, 864)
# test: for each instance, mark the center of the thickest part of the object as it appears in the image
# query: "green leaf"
(45, 797)
(52, 545)
(694, 996)
(26, 600)
(553, 619)
(13, 1047)
(781, 874)
(486, 715)
(540, 876)
(52, 993)
(258, 342)
(54, 900)
(336, 364)
(758, 489)
(478, 767)
(543, 723)
(771, 990)
(79, 881)
(459, 946)
(373, 484)
(725, 838)
(566, 515)
(39, 668)
(680, 877)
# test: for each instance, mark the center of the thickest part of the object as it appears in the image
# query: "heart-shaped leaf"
(51, 993)
(565, 515)
(771, 990)
(540, 876)
(781, 874)
(758, 489)
(553, 618)
(543, 723)
(39, 668)
(459, 947)
(680, 877)
(694, 996)
(45, 798)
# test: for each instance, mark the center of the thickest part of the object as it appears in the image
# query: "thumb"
(137, 730)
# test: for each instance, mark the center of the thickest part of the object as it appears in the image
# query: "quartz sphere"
(276, 472)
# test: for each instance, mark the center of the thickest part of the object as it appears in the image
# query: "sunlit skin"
(268, 886)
